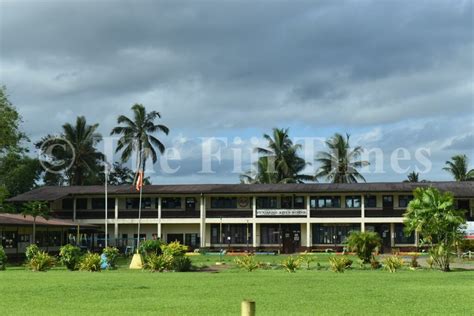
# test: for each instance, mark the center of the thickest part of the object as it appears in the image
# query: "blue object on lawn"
(104, 262)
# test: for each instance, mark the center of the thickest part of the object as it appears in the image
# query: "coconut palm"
(137, 135)
(78, 151)
(340, 163)
(35, 209)
(458, 167)
(364, 244)
(279, 161)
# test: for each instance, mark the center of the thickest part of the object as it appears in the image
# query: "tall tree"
(77, 151)
(35, 209)
(137, 135)
(279, 161)
(433, 215)
(10, 120)
(340, 163)
(459, 168)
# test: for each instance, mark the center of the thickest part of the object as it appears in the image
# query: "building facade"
(284, 217)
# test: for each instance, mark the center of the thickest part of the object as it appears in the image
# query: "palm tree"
(79, 153)
(364, 244)
(413, 177)
(279, 162)
(340, 163)
(136, 135)
(35, 209)
(458, 167)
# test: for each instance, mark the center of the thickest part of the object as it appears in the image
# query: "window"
(332, 234)
(99, 203)
(286, 202)
(401, 237)
(387, 201)
(81, 204)
(67, 204)
(266, 202)
(170, 202)
(132, 203)
(238, 233)
(463, 205)
(403, 200)
(353, 201)
(326, 202)
(191, 240)
(299, 202)
(370, 201)
(269, 234)
(190, 204)
(223, 202)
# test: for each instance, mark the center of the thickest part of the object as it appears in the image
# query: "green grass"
(422, 292)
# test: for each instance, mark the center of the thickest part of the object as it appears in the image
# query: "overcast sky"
(391, 73)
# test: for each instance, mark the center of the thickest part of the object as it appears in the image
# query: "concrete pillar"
(74, 209)
(159, 219)
(309, 242)
(202, 210)
(116, 207)
(392, 234)
(254, 224)
(116, 233)
(362, 213)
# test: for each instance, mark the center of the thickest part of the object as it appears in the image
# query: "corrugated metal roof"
(18, 219)
(459, 189)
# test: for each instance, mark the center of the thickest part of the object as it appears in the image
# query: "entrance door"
(291, 237)
(384, 232)
(175, 237)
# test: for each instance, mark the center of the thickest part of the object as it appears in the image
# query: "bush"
(3, 258)
(414, 262)
(31, 251)
(158, 263)
(363, 244)
(291, 263)
(430, 262)
(339, 263)
(247, 262)
(41, 261)
(90, 262)
(467, 245)
(374, 264)
(70, 256)
(112, 254)
(307, 258)
(182, 264)
(149, 247)
(392, 263)
(174, 249)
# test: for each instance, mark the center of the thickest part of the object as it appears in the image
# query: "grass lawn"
(123, 291)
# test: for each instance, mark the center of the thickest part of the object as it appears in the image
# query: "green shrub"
(247, 262)
(291, 263)
(392, 263)
(70, 256)
(90, 262)
(430, 262)
(363, 244)
(3, 258)
(158, 263)
(31, 251)
(148, 247)
(182, 264)
(374, 264)
(467, 245)
(339, 263)
(112, 254)
(174, 249)
(414, 262)
(307, 258)
(41, 261)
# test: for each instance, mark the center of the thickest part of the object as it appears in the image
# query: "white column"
(392, 235)
(308, 224)
(116, 232)
(202, 209)
(362, 213)
(74, 209)
(159, 218)
(254, 224)
(116, 207)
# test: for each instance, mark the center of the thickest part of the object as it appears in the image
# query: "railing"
(336, 213)
(134, 214)
(180, 214)
(97, 214)
(228, 213)
(384, 212)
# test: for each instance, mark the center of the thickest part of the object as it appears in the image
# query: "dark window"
(233, 233)
(175, 237)
(286, 202)
(170, 202)
(266, 202)
(67, 204)
(353, 201)
(299, 202)
(223, 202)
(463, 205)
(332, 234)
(401, 237)
(191, 240)
(370, 201)
(9, 240)
(269, 234)
(99, 203)
(387, 201)
(326, 202)
(190, 204)
(403, 200)
(81, 204)
(132, 203)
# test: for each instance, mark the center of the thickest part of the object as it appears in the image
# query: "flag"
(139, 183)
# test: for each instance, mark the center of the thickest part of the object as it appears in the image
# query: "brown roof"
(18, 219)
(459, 189)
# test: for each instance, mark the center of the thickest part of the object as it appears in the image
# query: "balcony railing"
(180, 214)
(228, 213)
(97, 214)
(390, 212)
(335, 213)
(134, 214)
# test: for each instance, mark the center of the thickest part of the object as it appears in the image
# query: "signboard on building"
(281, 212)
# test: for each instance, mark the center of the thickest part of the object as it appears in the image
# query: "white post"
(74, 209)
(202, 209)
(254, 224)
(139, 214)
(159, 218)
(106, 171)
(308, 224)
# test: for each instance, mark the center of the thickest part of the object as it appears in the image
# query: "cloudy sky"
(391, 73)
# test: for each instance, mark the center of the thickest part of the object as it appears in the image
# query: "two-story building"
(286, 217)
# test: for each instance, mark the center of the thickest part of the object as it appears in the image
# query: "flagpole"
(139, 212)
(106, 206)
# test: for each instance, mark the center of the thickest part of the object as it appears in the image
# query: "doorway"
(291, 238)
(384, 232)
